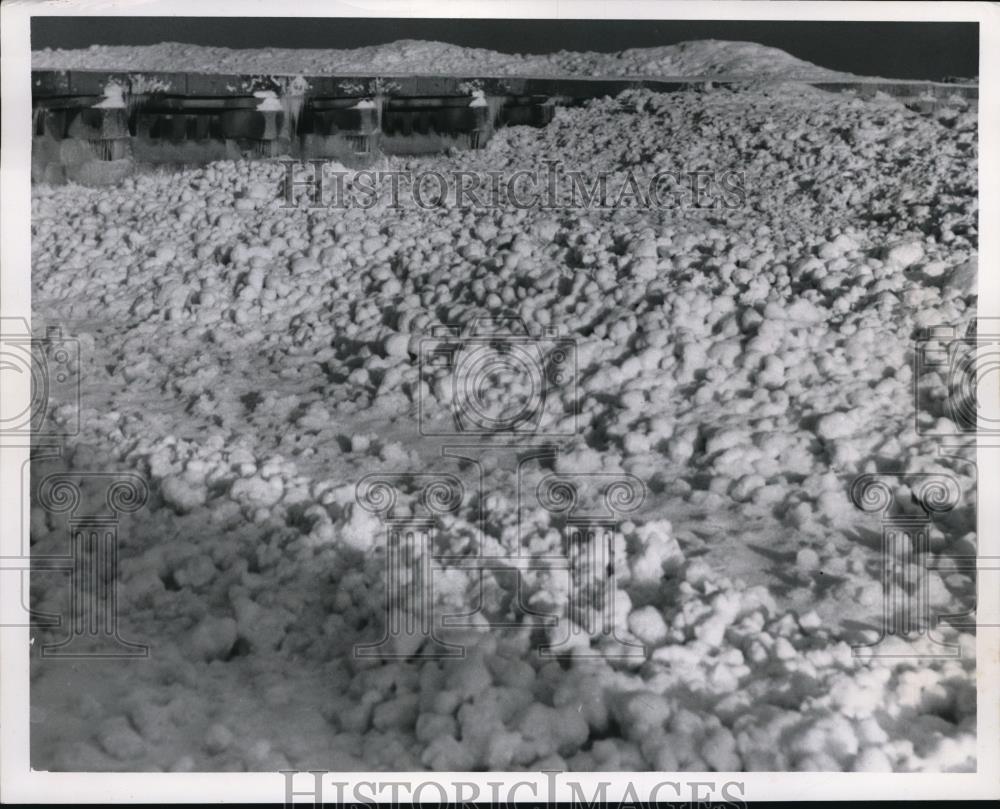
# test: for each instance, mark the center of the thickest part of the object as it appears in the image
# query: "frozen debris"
(655, 554)
(742, 365)
(837, 247)
(218, 739)
(257, 491)
(836, 425)
(361, 530)
(183, 764)
(648, 625)
(904, 254)
(872, 759)
(183, 493)
(397, 345)
(119, 740)
(153, 722)
(808, 561)
(213, 638)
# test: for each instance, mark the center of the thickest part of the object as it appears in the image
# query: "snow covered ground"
(255, 362)
(406, 57)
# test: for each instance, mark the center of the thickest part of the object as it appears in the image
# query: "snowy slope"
(696, 58)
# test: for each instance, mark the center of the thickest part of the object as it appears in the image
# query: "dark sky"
(903, 50)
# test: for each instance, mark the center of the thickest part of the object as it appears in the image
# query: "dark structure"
(80, 116)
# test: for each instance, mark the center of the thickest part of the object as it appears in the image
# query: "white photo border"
(18, 783)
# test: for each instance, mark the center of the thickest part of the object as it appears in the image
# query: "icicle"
(135, 101)
(292, 106)
(495, 104)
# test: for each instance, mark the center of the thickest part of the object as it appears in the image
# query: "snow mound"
(255, 361)
(709, 57)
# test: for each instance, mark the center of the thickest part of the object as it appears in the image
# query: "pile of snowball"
(256, 361)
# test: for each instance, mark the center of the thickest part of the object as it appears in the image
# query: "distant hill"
(708, 57)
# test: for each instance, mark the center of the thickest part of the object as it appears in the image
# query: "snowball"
(470, 677)
(871, 759)
(432, 726)
(537, 726)
(361, 530)
(259, 191)
(218, 738)
(832, 735)
(397, 345)
(840, 245)
(725, 439)
(119, 740)
(934, 269)
(744, 489)
(836, 425)
(213, 638)
(197, 571)
(360, 443)
(446, 754)
(256, 491)
(647, 624)
(904, 254)
(154, 722)
(810, 621)
(643, 713)
(807, 560)
(263, 627)
(719, 751)
(513, 672)
(396, 714)
(773, 373)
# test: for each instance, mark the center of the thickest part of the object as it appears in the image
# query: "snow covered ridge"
(696, 58)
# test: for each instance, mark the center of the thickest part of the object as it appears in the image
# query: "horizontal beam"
(90, 82)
